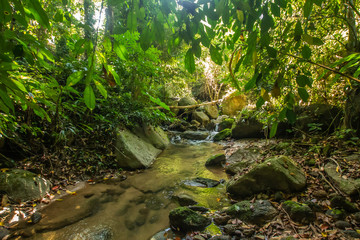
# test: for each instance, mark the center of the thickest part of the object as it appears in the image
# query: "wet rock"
(154, 219)
(195, 123)
(222, 135)
(199, 209)
(216, 160)
(299, 212)
(133, 152)
(351, 233)
(276, 174)
(201, 117)
(337, 214)
(185, 220)
(184, 200)
(226, 123)
(221, 220)
(140, 220)
(102, 233)
(3, 232)
(259, 212)
(248, 128)
(211, 110)
(36, 217)
(314, 206)
(349, 186)
(177, 126)
(21, 185)
(222, 237)
(233, 103)
(195, 135)
(341, 203)
(130, 224)
(163, 235)
(342, 224)
(202, 182)
(231, 229)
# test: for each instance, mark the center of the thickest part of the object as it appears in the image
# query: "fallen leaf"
(70, 192)
(2, 224)
(4, 169)
(55, 187)
(324, 234)
(218, 199)
(59, 200)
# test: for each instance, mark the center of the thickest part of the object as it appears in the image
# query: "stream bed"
(138, 207)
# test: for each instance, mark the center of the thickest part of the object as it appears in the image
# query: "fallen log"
(185, 107)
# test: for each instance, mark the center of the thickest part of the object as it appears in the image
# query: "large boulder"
(211, 110)
(349, 186)
(248, 128)
(153, 135)
(134, 152)
(216, 160)
(258, 212)
(233, 103)
(275, 174)
(21, 185)
(200, 117)
(186, 101)
(241, 160)
(184, 219)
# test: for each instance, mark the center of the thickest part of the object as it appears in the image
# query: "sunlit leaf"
(74, 78)
(303, 94)
(89, 97)
(120, 51)
(39, 13)
(215, 55)
(190, 61)
(101, 89)
(273, 129)
(306, 52)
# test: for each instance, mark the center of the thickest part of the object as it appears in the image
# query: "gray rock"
(222, 237)
(36, 217)
(153, 135)
(185, 220)
(276, 174)
(184, 200)
(349, 186)
(241, 159)
(100, 233)
(342, 224)
(186, 101)
(21, 185)
(134, 152)
(357, 217)
(163, 235)
(195, 135)
(248, 128)
(211, 110)
(201, 117)
(299, 212)
(336, 214)
(351, 233)
(259, 212)
(216, 160)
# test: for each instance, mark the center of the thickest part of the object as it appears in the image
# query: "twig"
(332, 186)
(291, 222)
(337, 164)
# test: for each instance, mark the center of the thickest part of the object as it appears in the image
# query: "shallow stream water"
(138, 207)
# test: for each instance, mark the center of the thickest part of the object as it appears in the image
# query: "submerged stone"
(195, 135)
(202, 182)
(184, 220)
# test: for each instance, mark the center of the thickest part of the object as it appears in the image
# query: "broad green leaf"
(107, 45)
(215, 55)
(357, 73)
(303, 94)
(317, 41)
(291, 116)
(120, 51)
(302, 80)
(115, 75)
(272, 52)
(8, 66)
(39, 13)
(132, 21)
(145, 39)
(89, 97)
(240, 15)
(273, 129)
(101, 89)
(190, 61)
(158, 31)
(196, 49)
(298, 31)
(5, 98)
(260, 102)
(251, 83)
(19, 85)
(266, 23)
(281, 3)
(275, 10)
(74, 78)
(307, 38)
(157, 101)
(308, 8)
(306, 52)
(318, 2)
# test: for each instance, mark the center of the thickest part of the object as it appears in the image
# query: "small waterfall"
(213, 133)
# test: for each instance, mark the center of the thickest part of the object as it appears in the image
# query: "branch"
(354, 8)
(323, 66)
(184, 107)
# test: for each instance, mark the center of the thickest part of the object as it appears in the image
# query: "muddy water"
(138, 207)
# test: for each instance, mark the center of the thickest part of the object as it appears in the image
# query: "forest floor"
(311, 153)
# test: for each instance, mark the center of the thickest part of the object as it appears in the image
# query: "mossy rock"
(226, 123)
(185, 220)
(299, 212)
(341, 203)
(337, 214)
(216, 160)
(222, 135)
(259, 212)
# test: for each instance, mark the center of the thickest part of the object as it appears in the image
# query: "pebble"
(320, 194)
(36, 217)
(342, 224)
(3, 232)
(352, 233)
(357, 216)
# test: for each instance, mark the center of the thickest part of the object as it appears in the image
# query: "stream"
(138, 207)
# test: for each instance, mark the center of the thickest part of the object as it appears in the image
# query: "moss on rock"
(222, 135)
(299, 212)
(184, 219)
